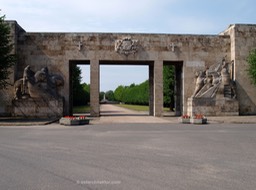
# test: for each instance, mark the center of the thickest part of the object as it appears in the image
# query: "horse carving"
(38, 84)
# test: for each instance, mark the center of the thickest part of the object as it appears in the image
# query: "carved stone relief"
(126, 46)
(209, 81)
(40, 84)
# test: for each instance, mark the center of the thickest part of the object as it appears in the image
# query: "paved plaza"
(117, 155)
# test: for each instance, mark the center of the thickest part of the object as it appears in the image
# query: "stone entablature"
(190, 52)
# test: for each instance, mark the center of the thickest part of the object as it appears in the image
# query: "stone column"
(178, 88)
(151, 89)
(94, 88)
(158, 88)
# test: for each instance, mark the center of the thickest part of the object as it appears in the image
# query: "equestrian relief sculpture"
(40, 84)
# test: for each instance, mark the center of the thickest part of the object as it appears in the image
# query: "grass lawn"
(81, 109)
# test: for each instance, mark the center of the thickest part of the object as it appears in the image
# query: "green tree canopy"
(168, 86)
(133, 94)
(7, 59)
(118, 93)
(80, 95)
(251, 59)
(110, 95)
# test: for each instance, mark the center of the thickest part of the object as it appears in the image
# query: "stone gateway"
(211, 70)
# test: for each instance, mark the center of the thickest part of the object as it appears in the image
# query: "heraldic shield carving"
(126, 46)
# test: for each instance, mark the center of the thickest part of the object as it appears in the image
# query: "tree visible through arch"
(7, 58)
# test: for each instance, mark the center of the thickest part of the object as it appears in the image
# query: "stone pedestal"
(184, 120)
(198, 121)
(38, 108)
(74, 121)
(213, 106)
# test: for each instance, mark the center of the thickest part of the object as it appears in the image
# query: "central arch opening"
(124, 88)
(151, 85)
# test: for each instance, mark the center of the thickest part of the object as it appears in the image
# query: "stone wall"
(55, 50)
(38, 108)
(213, 106)
(243, 40)
(195, 52)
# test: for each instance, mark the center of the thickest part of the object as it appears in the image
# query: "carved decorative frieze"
(126, 46)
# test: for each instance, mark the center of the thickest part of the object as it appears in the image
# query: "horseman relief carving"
(40, 84)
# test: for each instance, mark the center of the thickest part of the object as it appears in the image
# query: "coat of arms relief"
(126, 46)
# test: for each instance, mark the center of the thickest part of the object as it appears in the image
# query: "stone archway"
(155, 84)
(178, 87)
(197, 52)
(147, 64)
(72, 63)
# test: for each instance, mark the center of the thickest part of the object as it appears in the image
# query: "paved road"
(128, 156)
(114, 114)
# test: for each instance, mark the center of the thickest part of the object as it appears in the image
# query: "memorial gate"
(42, 75)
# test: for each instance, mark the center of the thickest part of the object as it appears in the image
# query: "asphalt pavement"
(129, 150)
(128, 156)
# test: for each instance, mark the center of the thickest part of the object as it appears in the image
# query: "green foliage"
(110, 95)
(81, 109)
(168, 86)
(133, 94)
(86, 90)
(118, 93)
(81, 92)
(251, 59)
(101, 95)
(7, 59)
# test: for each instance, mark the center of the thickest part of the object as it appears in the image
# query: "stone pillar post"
(94, 88)
(151, 89)
(178, 88)
(158, 88)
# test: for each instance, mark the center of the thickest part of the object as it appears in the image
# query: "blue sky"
(143, 16)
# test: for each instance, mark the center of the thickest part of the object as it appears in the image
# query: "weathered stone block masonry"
(189, 53)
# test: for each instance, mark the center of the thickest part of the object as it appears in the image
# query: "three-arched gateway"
(188, 53)
(155, 92)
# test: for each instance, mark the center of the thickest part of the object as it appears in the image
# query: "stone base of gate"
(213, 106)
(38, 108)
